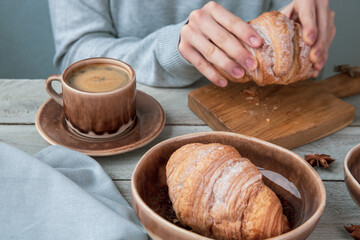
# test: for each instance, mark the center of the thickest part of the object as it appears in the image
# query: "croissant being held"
(283, 57)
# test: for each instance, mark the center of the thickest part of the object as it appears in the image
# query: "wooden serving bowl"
(352, 173)
(296, 183)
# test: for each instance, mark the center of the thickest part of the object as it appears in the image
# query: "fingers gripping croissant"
(220, 194)
(284, 56)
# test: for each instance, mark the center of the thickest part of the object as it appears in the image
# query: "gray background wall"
(27, 50)
(26, 43)
(345, 48)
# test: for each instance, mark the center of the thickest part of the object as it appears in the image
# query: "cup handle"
(56, 96)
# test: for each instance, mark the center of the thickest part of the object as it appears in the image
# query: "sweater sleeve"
(84, 29)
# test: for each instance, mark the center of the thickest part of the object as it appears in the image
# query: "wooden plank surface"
(20, 99)
(121, 166)
(25, 137)
(289, 116)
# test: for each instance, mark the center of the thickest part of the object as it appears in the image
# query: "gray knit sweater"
(144, 34)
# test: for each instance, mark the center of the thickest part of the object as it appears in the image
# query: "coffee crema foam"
(99, 78)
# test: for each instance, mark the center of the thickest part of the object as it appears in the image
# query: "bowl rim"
(348, 174)
(297, 231)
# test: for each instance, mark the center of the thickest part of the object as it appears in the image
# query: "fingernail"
(250, 63)
(317, 55)
(238, 72)
(321, 64)
(222, 83)
(255, 41)
(311, 37)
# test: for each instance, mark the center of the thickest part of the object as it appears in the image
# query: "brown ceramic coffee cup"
(106, 107)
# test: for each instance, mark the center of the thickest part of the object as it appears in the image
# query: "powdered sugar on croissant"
(220, 194)
(284, 56)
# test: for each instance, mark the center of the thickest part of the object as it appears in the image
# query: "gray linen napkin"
(61, 194)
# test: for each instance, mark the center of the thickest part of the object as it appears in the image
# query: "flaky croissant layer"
(220, 194)
(283, 57)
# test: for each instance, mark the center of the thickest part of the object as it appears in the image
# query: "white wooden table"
(21, 98)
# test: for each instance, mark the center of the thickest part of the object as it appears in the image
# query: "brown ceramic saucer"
(51, 125)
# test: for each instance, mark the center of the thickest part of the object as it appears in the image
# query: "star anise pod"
(319, 160)
(354, 231)
(346, 68)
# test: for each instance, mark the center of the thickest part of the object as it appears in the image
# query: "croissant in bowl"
(220, 194)
(283, 57)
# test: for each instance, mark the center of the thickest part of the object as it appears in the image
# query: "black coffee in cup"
(99, 78)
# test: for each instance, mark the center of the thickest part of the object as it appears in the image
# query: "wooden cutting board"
(289, 116)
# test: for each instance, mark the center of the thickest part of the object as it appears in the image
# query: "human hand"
(214, 36)
(319, 29)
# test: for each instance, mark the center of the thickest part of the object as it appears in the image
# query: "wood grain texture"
(289, 116)
(20, 100)
(337, 146)
(121, 166)
(118, 166)
(354, 101)
(124, 188)
(341, 85)
(340, 210)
